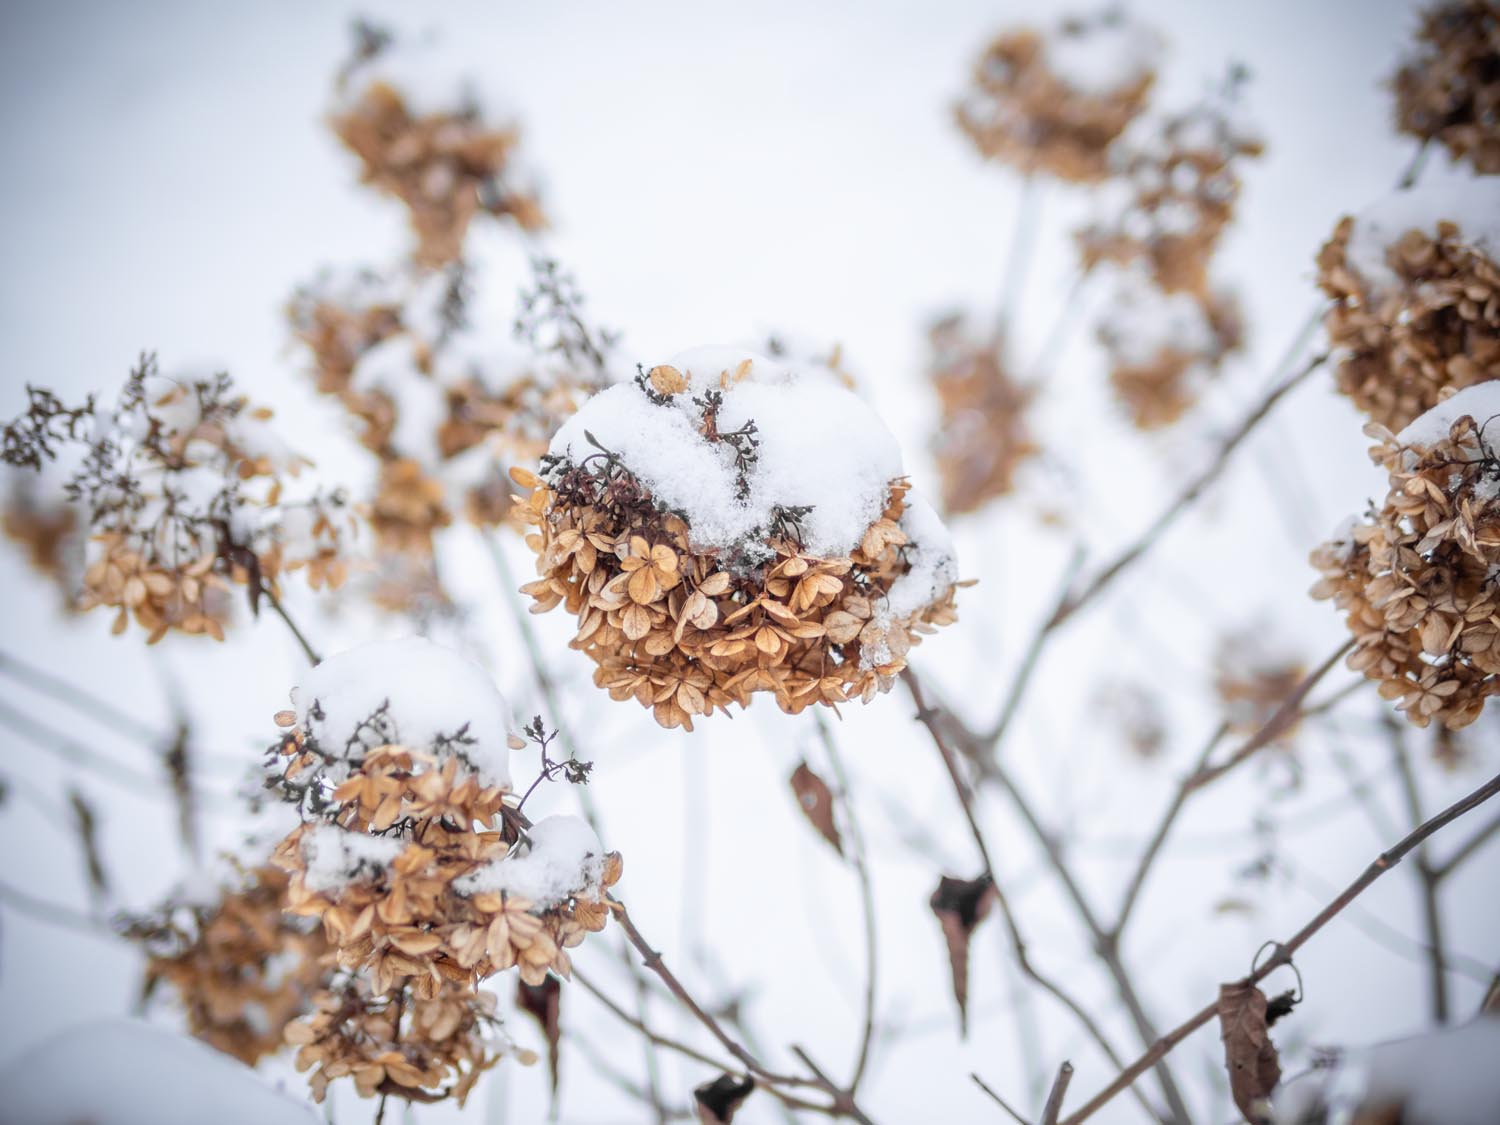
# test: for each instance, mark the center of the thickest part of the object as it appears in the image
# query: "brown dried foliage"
(445, 167)
(1157, 392)
(244, 970)
(983, 437)
(1415, 578)
(406, 922)
(423, 1048)
(1023, 114)
(1449, 91)
(687, 632)
(1183, 193)
(1402, 346)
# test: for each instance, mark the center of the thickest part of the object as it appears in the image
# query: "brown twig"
(1286, 950)
(932, 719)
(1426, 875)
(1481, 837)
(857, 860)
(1195, 488)
(1053, 1107)
(999, 1101)
(842, 1101)
(280, 610)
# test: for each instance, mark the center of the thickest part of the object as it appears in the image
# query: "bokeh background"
(714, 174)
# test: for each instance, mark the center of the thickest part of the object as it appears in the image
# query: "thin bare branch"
(1054, 1104)
(1285, 951)
(999, 1101)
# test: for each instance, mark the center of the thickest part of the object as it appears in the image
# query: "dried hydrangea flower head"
(1415, 577)
(1253, 678)
(428, 143)
(728, 525)
(183, 489)
(1415, 282)
(1175, 193)
(420, 1048)
(1448, 89)
(983, 437)
(444, 404)
(1163, 347)
(1054, 100)
(421, 870)
(47, 529)
(241, 968)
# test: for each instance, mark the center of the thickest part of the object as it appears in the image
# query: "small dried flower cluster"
(442, 407)
(422, 869)
(444, 161)
(983, 437)
(1449, 89)
(1416, 578)
(1054, 101)
(420, 1048)
(1179, 188)
(715, 555)
(1415, 284)
(1162, 347)
(182, 491)
(241, 968)
(1252, 680)
(47, 529)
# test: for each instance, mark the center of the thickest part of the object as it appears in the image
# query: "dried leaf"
(543, 1002)
(960, 905)
(720, 1099)
(816, 801)
(1249, 1054)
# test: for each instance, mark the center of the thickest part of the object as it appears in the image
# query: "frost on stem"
(1415, 282)
(1415, 577)
(731, 525)
(184, 488)
(1053, 100)
(428, 143)
(1448, 88)
(414, 855)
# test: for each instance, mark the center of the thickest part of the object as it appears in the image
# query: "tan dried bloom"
(1415, 578)
(419, 1048)
(48, 534)
(1054, 101)
(1252, 680)
(408, 508)
(184, 494)
(1449, 89)
(1416, 301)
(983, 437)
(1163, 347)
(444, 162)
(1180, 187)
(685, 625)
(241, 968)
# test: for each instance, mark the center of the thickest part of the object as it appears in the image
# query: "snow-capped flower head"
(1415, 577)
(730, 524)
(181, 489)
(1415, 282)
(412, 850)
(984, 436)
(1053, 100)
(1448, 89)
(428, 140)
